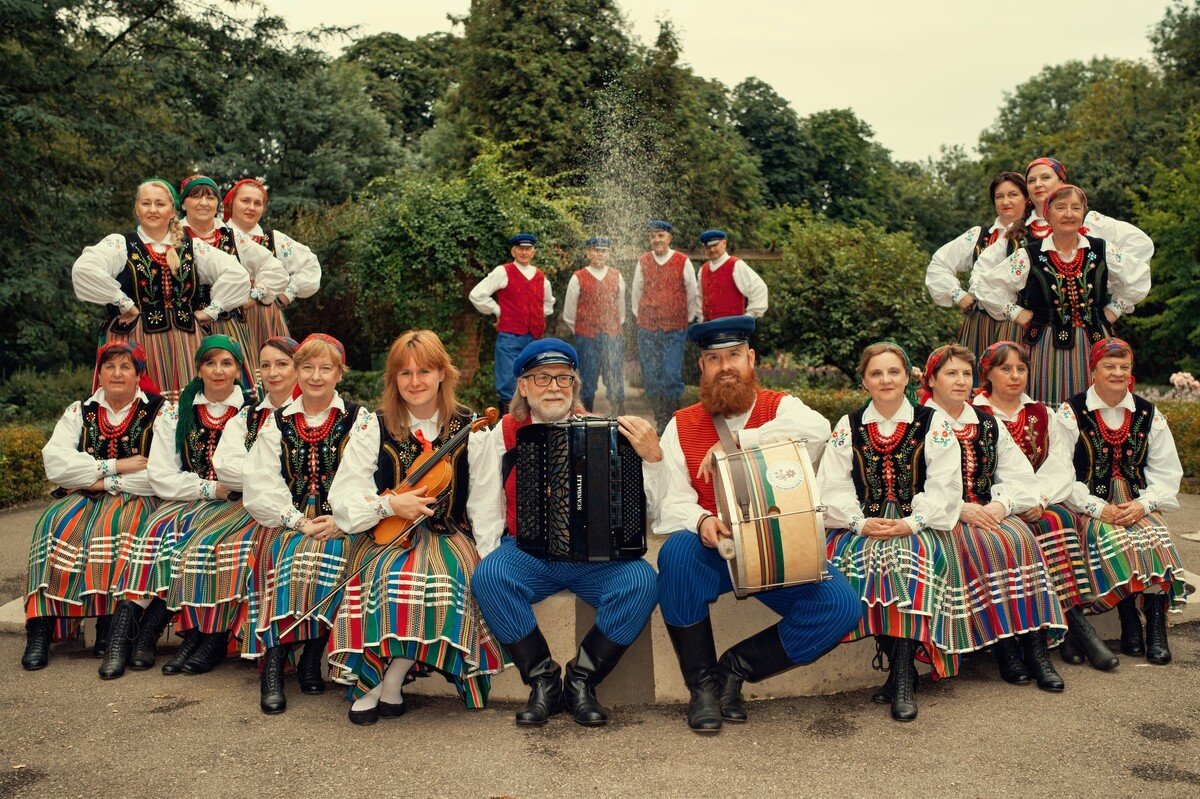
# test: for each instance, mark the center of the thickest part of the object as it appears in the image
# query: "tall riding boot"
(191, 640)
(39, 632)
(1093, 646)
(1155, 608)
(597, 657)
(154, 621)
(103, 624)
(698, 661)
(1069, 651)
(531, 656)
(208, 655)
(271, 698)
(883, 649)
(758, 657)
(1132, 641)
(120, 639)
(904, 679)
(1008, 658)
(308, 669)
(1037, 660)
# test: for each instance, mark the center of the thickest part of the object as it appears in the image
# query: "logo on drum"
(785, 475)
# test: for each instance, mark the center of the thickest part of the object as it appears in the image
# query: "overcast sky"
(922, 73)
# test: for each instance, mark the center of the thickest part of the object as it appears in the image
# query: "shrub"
(1184, 419)
(362, 386)
(22, 476)
(29, 396)
(833, 404)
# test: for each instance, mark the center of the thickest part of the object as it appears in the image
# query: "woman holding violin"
(406, 474)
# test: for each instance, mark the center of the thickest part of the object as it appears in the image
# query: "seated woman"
(1000, 592)
(302, 553)
(411, 605)
(97, 457)
(1118, 470)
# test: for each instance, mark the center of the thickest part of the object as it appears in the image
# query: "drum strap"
(737, 465)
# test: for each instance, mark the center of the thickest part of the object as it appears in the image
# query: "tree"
(407, 77)
(850, 174)
(772, 129)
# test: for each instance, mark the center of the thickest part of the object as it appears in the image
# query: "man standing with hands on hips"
(728, 286)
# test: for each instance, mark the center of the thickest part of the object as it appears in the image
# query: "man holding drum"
(691, 572)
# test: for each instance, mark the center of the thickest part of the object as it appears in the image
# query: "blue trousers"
(600, 357)
(661, 357)
(508, 347)
(814, 617)
(509, 582)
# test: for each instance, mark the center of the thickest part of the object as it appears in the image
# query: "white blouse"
(168, 478)
(1130, 238)
(481, 296)
(1046, 480)
(268, 278)
(747, 281)
(690, 286)
(69, 467)
(571, 300)
(229, 460)
(952, 259)
(301, 264)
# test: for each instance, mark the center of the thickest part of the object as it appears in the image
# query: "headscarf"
(1053, 163)
(1060, 190)
(328, 339)
(227, 203)
(985, 362)
(1102, 349)
(192, 181)
(166, 185)
(187, 397)
(134, 351)
(932, 364)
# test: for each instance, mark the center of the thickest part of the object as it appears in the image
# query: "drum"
(767, 496)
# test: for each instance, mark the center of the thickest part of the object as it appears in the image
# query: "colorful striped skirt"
(263, 322)
(979, 331)
(416, 605)
(1057, 375)
(168, 355)
(143, 570)
(1066, 556)
(72, 556)
(208, 569)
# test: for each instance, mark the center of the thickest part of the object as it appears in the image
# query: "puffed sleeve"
(481, 296)
(357, 506)
(996, 280)
(301, 264)
(229, 279)
(67, 466)
(951, 259)
(1164, 472)
(939, 505)
(1130, 238)
(230, 456)
(485, 502)
(1013, 483)
(1061, 463)
(168, 478)
(1128, 280)
(94, 274)
(836, 483)
(266, 271)
(792, 420)
(265, 493)
(752, 287)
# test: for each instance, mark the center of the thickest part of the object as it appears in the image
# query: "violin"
(432, 471)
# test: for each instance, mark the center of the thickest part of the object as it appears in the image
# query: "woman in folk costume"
(1004, 595)
(1073, 288)
(1118, 470)
(201, 204)
(150, 282)
(97, 458)
(410, 606)
(243, 209)
(891, 481)
(302, 553)
(1011, 201)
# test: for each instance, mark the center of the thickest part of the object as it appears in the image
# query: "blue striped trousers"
(814, 617)
(508, 582)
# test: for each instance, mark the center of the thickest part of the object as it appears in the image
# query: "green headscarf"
(187, 397)
(166, 185)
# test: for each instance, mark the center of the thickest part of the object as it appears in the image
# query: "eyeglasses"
(542, 380)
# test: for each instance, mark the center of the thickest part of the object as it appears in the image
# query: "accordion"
(579, 492)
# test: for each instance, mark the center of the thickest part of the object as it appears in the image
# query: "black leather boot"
(145, 646)
(597, 657)
(698, 661)
(208, 654)
(883, 649)
(1069, 651)
(39, 632)
(531, 656)
(755, 659)
(1008, 658)
(1132, 641)
(1037, 660)
(1155, 608)
(1093, 646)
(904, 680)
(191, 640)
(103, 624)
(271, 698)
(120, 639)
(308, 669)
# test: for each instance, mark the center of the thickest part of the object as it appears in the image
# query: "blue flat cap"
(522, 239)
(599, 243)
(545, 351)
(728, 331)
(660, 224)
(709, 236)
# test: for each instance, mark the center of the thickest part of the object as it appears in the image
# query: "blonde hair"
(315, 347)
(879, 348)
(425, 350)
(518, 406)
(174, 226)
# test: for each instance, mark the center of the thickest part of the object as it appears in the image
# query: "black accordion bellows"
(579, 492)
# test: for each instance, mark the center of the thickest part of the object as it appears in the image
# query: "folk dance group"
(954, 525)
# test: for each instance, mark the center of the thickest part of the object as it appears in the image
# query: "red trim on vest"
(719, 295)
(599, 306)
(697, 434)
(509, 427)
(663, 304)
(522, 308)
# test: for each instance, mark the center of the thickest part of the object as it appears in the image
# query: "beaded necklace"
(112, 433)
(965, 436)
(1069, 273)
(312, 436)
(884, 446)
(164, 272)
(1115, 438)
(211, 238)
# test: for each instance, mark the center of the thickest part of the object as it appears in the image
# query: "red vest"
(599, 307)
(663, 305)
(719, 295)
(521, 303)
(697, 434)
(509, 426)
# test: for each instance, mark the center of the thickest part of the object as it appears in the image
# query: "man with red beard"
(692, 574)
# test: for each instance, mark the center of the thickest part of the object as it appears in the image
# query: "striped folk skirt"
(207, 571)
(72, 556)
(979, 331)
(1066, 557)
(144, 559)
(416, 605)
(168, 355)
(1057, 375)
(263, 322)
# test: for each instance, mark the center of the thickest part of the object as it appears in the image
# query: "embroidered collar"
(1094, 402)
(967, 416)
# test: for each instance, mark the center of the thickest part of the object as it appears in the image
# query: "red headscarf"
(985, 361)
(328, 339)
(134, 351)
(1105, 347)
(932, 364)
(1053, 163)
(1061, 190)
(227, 203)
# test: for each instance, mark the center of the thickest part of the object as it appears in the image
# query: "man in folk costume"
(594, 310)
(519, 295)
(692, 573)
(728, 286)
(665, 298)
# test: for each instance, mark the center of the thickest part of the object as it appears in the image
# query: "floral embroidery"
(943, 435)
(840, 437)
(1066, 413)
(1160, 421)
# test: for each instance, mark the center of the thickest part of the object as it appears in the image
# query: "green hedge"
(22, 476)
(29, 396)
(1184, 419)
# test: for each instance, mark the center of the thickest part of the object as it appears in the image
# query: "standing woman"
(411, 605)
(97, 458)
(1005, 596)
(302, 553)
(244, 207)
(1074, 287)
(890, 479)
(150, 283)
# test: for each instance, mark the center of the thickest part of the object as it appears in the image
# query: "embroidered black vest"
(979, 458)
(307, 468)
(908, 464)
(1048, 295)
(396, 458)
(267, 239)
(254, 419)
(195, 455)
(165, 300)
(227, 245)
(1094, 457)
(137, 438)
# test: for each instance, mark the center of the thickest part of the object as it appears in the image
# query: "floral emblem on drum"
(785, 475)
